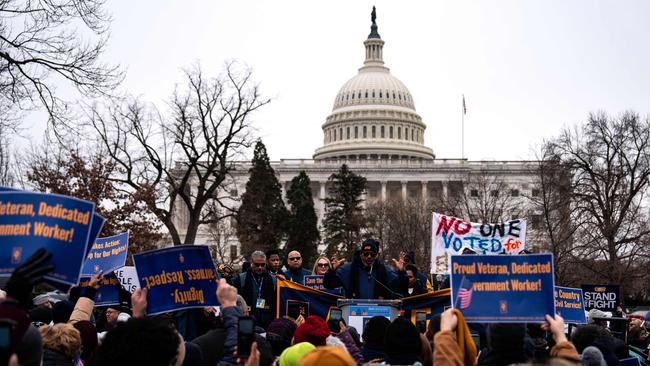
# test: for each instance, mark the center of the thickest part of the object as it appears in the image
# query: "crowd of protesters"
(54, 329)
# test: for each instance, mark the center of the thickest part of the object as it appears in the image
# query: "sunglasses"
(295, 259)
(323, 265)
(259, 264)
(368, 254)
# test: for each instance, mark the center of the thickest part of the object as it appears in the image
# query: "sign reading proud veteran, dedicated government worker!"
(60, 224)
(178, 277)
(503, 288)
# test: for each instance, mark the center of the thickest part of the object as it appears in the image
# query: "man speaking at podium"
(366, 277)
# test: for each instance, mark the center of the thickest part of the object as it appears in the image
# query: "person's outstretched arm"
(446, 351)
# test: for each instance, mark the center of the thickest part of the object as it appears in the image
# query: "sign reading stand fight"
(569, 304)
(503, 288)
(451, 235)
(178, 277)
(60, 224)
(601, 297)
(106, 255)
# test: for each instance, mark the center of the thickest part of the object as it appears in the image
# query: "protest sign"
(128, 278)
(178, 277)
(308, 300)
(60, 224)
(601, 297)
(95, 227)
(108, 293)
(451, 235)
(569, 304)
(315, 282)
(503, 288)
(106, 255)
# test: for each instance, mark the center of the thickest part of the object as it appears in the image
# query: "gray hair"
(258, 254)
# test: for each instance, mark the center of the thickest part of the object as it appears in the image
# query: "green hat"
(292, 355)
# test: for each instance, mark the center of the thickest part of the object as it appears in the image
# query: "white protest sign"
(128, 278)
(451, 235)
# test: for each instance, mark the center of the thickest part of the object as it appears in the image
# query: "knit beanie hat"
(61, 311)
(292, 355)
(328, 356)
(402, 342)
(373, 333)
(592, 356)
(314, 330)
(283, 327)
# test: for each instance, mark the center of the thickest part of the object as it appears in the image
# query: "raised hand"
(96, 280)
(226, 294)
(139, 302)
(336, 262)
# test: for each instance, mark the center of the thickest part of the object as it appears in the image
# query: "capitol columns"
(383, 190)
(404, 191)
(444, 189)
(424, 190)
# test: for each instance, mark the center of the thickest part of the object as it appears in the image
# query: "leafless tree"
(184, 158)
(402, 225)
(609, 162)
(221, 234)
(44, 43)
(481, 196)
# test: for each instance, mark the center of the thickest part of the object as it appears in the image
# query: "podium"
(357, 312)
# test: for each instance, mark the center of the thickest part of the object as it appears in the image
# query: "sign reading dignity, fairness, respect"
(451, 235)
(178, 277)
(503, 288)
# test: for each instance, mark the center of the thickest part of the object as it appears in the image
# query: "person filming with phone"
(366, 277)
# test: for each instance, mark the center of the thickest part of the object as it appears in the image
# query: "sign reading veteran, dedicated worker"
(60, 224)
(601, 297)
(503, 288)
(451, 235)
(106, 255)
(178, 277)
(569, 304)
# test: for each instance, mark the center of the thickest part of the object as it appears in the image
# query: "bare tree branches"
(184, 158)
(43, 42)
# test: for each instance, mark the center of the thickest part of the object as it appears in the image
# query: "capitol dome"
(374, 115)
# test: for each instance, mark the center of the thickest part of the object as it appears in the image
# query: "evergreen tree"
(343, 212)
(303, 234)
(262, 215)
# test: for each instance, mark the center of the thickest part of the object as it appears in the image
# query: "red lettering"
(444, 224)
(460, 230)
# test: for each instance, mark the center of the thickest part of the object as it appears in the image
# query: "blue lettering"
(471, 240)
(496, 246)
(447, 240)
(483, 244)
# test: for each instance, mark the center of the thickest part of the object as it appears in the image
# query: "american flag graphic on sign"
(464, 297)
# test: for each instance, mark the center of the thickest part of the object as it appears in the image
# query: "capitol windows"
(373, 93)
(359, 95)
(341, 133)
(356, 132)
(406, 134)
(380, 94)
(366, 94)
(373, 132)
(334, 134)
(365, 132)
(347, 133)
(382, 132)
(390, 132)
(399, 133)
(412, 135)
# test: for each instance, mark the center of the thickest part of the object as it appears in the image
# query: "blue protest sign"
(106, 255)
(601, 297)
(177, 278)
(503, 288)
(315, 282)
(60, 224)
(108, 293)
(569, 304)
(95, 227)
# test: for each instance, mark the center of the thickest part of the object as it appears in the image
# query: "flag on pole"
(464, 107)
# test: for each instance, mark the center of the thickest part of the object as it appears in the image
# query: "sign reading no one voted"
(178, 277)
(503, 288)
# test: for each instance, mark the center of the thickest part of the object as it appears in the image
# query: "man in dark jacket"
(367, 277)
(257, 287)
(294, 271)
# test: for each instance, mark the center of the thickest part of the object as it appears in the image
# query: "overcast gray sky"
(527, 68)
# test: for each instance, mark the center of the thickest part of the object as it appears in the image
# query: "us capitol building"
(375, 129)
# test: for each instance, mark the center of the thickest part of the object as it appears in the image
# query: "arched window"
(373, 93)
(352, 96)
(399, 133)
(356, 132)
(359, 95)
(406, 133)
(380, 94)
(334, 134)
(382, 132)
(347, 133)
(366, 94)
(412, 135)
(390, 132)
(374, 132)
(365, 132)
(341, 133)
